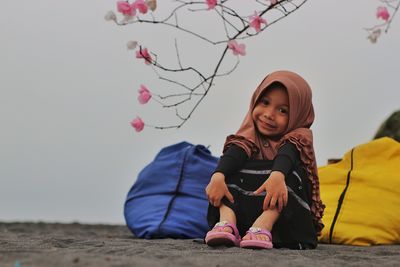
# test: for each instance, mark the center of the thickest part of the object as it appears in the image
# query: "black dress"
(294, 228)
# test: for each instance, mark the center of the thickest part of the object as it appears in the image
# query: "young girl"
(266, 187)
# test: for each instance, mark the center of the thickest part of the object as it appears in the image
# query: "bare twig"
(235, 26)
(375, 31)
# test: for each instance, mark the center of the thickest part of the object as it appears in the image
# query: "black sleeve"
(232, 160)
(286, 158)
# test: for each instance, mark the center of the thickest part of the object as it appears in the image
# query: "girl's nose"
(268, 114)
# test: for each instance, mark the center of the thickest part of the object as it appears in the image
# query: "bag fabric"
(362, 195)
(168, 198)
(294, 229)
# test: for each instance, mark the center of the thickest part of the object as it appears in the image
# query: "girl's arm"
(232, 160)
(286, 158)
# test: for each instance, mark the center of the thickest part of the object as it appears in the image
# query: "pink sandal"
(222, 238)
(257, 244)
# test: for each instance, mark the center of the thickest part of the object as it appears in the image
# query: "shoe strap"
(253, 231)
(223, 224)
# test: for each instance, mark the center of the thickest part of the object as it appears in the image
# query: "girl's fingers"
(259, 190)
(272, 204)
(285, 199)
(229, 196)
(268, 201)
(280, 204)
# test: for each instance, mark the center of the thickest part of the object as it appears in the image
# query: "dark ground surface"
(44, 244)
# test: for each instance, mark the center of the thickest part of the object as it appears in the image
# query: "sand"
(45, 244)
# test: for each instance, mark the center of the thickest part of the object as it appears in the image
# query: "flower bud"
(131, 45)
(110, 16)
(152, 4)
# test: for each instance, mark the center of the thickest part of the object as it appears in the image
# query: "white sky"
(68, 91)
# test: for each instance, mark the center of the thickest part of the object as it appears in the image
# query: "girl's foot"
(223, 226)
(223, 233)
(255, 235)
(257, 238)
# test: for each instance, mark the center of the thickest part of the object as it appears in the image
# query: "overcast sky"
(69, 88)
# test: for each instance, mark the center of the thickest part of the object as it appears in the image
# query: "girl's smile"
(269, 125)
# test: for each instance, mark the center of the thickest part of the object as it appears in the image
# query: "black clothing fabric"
(235, 157)
(232, 160)
(294, 229)
(287, 157)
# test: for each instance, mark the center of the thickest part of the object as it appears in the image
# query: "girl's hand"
(277, 193)
(217, 189)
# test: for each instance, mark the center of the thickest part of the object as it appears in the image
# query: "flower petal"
(383, 13)
(126, 8)
(138, 124)
(211, 4)
(141, 5)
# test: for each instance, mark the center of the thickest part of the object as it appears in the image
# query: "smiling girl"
(265, 187)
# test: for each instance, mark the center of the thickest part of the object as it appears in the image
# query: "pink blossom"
(138, 124)
(211, 4)
(141, 5)
(256, 21)
(273, 2)
(126, 8)
(382, 13)
(144, 53)
(144, 94)
(237, 49)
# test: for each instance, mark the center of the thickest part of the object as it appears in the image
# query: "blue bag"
(168, 197)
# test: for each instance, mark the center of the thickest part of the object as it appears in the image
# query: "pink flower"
(126, 8)
(382, 13)
(211, 4)
(138, 124)
(237, 49)
(256, 21)
(273, 2)
(144, 53)
(144, 94)
(141, 5)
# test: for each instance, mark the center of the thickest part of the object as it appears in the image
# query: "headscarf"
(298, 132)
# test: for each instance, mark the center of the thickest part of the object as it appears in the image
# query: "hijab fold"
(298, 132)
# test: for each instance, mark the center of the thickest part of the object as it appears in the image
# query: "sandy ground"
(43, 244)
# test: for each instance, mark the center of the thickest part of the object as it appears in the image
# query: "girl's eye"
(283, 110)
(265, 102)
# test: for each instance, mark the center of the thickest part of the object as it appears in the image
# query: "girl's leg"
(226, 214)
(265, 221)
(224, 232)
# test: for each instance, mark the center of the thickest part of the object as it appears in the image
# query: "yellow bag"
(362, 195)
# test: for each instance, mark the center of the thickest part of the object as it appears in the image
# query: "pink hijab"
(301, 117)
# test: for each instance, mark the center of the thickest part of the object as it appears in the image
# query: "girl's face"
(271, 113)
